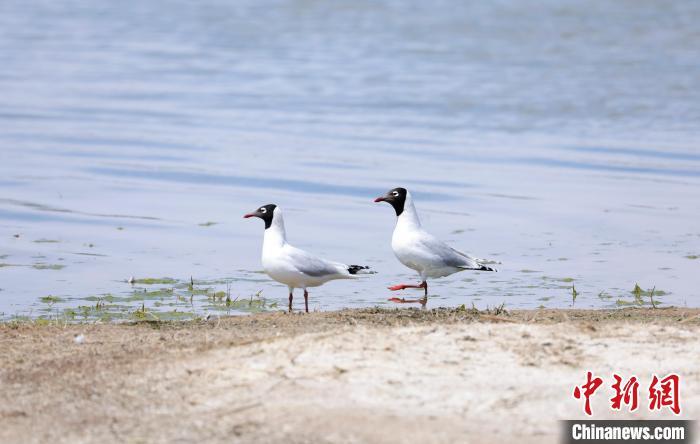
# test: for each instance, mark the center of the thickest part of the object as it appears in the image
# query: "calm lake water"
(561, 139)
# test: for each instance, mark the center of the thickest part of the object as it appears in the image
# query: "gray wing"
(448, 255)
(311, 265)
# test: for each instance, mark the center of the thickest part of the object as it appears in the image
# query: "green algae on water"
(48, 266)
(50, 299)
(179, 300)
(154, 281)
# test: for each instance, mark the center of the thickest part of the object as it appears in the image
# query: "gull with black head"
(421, 251)
(292, 266)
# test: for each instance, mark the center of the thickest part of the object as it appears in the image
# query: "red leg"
(290, 301)
(422, 301)
(403, 287)
(423, 284)
(306, 300)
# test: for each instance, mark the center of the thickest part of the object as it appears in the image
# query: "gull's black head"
(395, 197)
(265, 213)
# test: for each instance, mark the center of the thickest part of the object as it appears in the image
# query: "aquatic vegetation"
(102, 310)
(651, 297)
(497, 310)
(174, 315)
(637, 290)
(604, 296)
(70, 314)
(140, 313)
(105, 298)
(165, 298)
(50, 299)
(692, 256)
(207, 224)
(48, 266)
(179, 301)
(46, 241)
(639, 297)
(463, 308)
(565, 280)
(255, 303)
(639, 293)
(154, 281)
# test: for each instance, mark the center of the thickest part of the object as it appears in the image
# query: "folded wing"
(446, 255)
(311, 265)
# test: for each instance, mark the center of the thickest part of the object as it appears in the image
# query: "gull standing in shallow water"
(421, 251)
(294, 267)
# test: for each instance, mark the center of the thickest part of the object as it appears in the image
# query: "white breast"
(421, 251)
(280, 270)
(294, 267)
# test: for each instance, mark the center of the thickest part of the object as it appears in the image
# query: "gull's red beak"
(380, 199)
(246, 216)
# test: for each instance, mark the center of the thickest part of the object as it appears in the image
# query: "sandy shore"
(339, 377)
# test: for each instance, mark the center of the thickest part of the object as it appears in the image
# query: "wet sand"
(370, 375)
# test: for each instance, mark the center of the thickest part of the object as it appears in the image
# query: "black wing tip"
(485, 268)
(354, 269)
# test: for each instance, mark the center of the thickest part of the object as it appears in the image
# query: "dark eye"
(263, 210)
(395, 193)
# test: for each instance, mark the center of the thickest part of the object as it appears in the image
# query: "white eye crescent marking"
(263, 210)
(395, 193)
